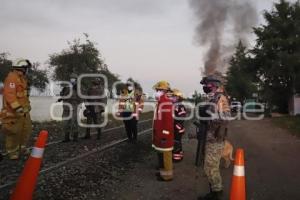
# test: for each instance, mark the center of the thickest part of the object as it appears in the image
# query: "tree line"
(272, 67)
(80, 57)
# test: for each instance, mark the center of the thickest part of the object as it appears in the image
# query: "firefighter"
(130, 106)
(163, 131)
(216, 133)
(70, 106)
(179, 130)
(93, 112)
(15, 117)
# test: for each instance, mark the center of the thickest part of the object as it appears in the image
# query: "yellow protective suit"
(15, 117)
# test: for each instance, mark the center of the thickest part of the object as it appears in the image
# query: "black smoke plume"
(217, 18)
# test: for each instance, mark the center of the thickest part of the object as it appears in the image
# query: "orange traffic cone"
(27, 181)
(238, 184)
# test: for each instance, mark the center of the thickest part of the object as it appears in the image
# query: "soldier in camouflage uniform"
(70, 126)
(93, 112)
(217, 131)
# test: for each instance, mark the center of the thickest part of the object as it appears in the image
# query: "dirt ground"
(272, 168)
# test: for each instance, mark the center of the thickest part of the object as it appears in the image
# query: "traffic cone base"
(238, 184)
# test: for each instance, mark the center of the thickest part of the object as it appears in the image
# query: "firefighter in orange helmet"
(15, 117)
(179, 130)
(163, 131)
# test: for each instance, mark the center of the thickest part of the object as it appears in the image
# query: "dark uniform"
(93, 112)
(179, 130)
(70, 126)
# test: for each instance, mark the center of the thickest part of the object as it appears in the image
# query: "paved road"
(272, 159)
(272, 168)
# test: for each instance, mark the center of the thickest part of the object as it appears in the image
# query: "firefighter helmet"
(162, 85)
(21, 63)
(177, 93)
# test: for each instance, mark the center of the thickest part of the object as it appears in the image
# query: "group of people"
(95, 106)
(168, 122)
(15, 117)
(167, 131)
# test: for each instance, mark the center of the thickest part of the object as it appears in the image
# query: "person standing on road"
(179, 130)
(163, 131)
(15, 117)
(93, 112)
(130, 106)
(70, 107)
(216, 133)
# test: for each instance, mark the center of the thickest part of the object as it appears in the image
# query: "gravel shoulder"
(272, 168)
(127, 171)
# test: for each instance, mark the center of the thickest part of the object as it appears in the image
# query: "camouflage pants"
(213, 153)
(71, 126)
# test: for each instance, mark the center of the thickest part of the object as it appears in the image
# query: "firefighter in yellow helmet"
(15, 117)
(179, 130)
(163, 131)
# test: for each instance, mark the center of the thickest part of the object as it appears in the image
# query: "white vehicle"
(236, 106)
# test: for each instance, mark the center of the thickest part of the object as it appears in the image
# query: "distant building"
(294, 105)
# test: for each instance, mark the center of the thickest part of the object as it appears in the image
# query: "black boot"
(217, 195)
(1, 157)
(87, 134)
(159, 178)
(67, 137)
(98, 134)
(75, 137)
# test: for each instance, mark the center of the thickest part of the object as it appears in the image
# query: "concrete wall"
(41, 107)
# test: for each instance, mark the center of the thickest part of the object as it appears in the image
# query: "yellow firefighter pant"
(17, 133)
(166, 165)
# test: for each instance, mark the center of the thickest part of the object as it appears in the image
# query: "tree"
(277, 52)
(5, 65)
(197, 97)
(239, 79)
(36, 76)
(80, 58)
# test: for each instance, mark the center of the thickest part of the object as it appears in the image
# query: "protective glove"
(20, 110)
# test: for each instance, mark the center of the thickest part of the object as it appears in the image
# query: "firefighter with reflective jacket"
(179, 130)
(130, 106)
(163, 131)
(15, 117)
(216, 132)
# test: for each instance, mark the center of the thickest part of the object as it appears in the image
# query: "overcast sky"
(148, 40)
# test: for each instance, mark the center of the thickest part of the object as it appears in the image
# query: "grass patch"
(291, 123)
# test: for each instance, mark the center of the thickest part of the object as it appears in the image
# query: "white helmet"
(21, 63)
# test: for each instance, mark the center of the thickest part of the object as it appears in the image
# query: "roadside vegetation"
(291, 123)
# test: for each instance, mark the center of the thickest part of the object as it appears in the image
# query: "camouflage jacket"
(217, 126)
(74, 99)
(96, 91)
